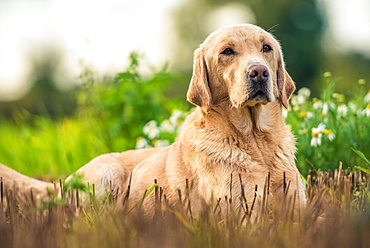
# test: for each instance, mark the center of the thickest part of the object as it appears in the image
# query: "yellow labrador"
(228, 146)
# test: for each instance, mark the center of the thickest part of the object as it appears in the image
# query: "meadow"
(132, 110)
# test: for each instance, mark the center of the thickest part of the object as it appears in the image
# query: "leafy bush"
(120, 106)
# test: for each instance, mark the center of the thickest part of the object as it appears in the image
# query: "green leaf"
(304, 179)
(145, 196)
(359, 153)
(75, 183)
(362, 169)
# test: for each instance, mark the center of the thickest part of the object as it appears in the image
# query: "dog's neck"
(249, 119)
(239, 124)
(239, 136)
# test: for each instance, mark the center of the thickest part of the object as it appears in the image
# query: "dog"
(233, 148)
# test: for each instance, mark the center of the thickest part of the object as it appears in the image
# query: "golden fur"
(236, 129)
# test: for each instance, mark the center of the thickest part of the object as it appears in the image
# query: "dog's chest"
(234, 152)
(224, 172)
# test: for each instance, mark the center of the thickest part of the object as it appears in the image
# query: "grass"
(41, 147)
(337, 215)
(329, 127)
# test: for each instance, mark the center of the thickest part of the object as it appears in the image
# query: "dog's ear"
(285, 83)
(199, 92)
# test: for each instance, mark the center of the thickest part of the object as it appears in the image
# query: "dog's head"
(242, 64)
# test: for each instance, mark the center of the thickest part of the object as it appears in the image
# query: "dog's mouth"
(259, 95)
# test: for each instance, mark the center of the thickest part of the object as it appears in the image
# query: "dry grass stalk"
(337, 215)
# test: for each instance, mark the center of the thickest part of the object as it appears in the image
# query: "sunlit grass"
(43, 147)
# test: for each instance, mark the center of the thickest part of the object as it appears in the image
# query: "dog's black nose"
(259, 73)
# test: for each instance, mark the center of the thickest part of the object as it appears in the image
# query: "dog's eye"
(228, 51)
(266, 48)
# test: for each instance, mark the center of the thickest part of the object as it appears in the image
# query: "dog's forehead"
(236, 34)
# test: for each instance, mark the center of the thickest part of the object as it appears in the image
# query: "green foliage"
(111, 114)
(120, 106)
(327, 128)
(359, 153)
(75, 183)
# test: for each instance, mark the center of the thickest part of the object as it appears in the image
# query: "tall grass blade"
(359, 153)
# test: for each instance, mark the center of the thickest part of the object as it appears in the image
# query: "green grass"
(346, 117)
(39, 146)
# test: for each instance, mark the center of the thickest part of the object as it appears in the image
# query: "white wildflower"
(301, 99)
(168, 126)
(141, 142)
(294, 102)
(317, 104)
(306, 115)
(329, 134)
(309, 115)
(342, 110)
(352, 106)
(316, 134)
(366, 111)
(176, 114)
(302, 96)
(367, 97)
(325, 109)
(161, 143)
(305, 92)
(316, 139)
(151, 129)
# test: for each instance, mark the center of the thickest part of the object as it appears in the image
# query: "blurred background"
(45, 45)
